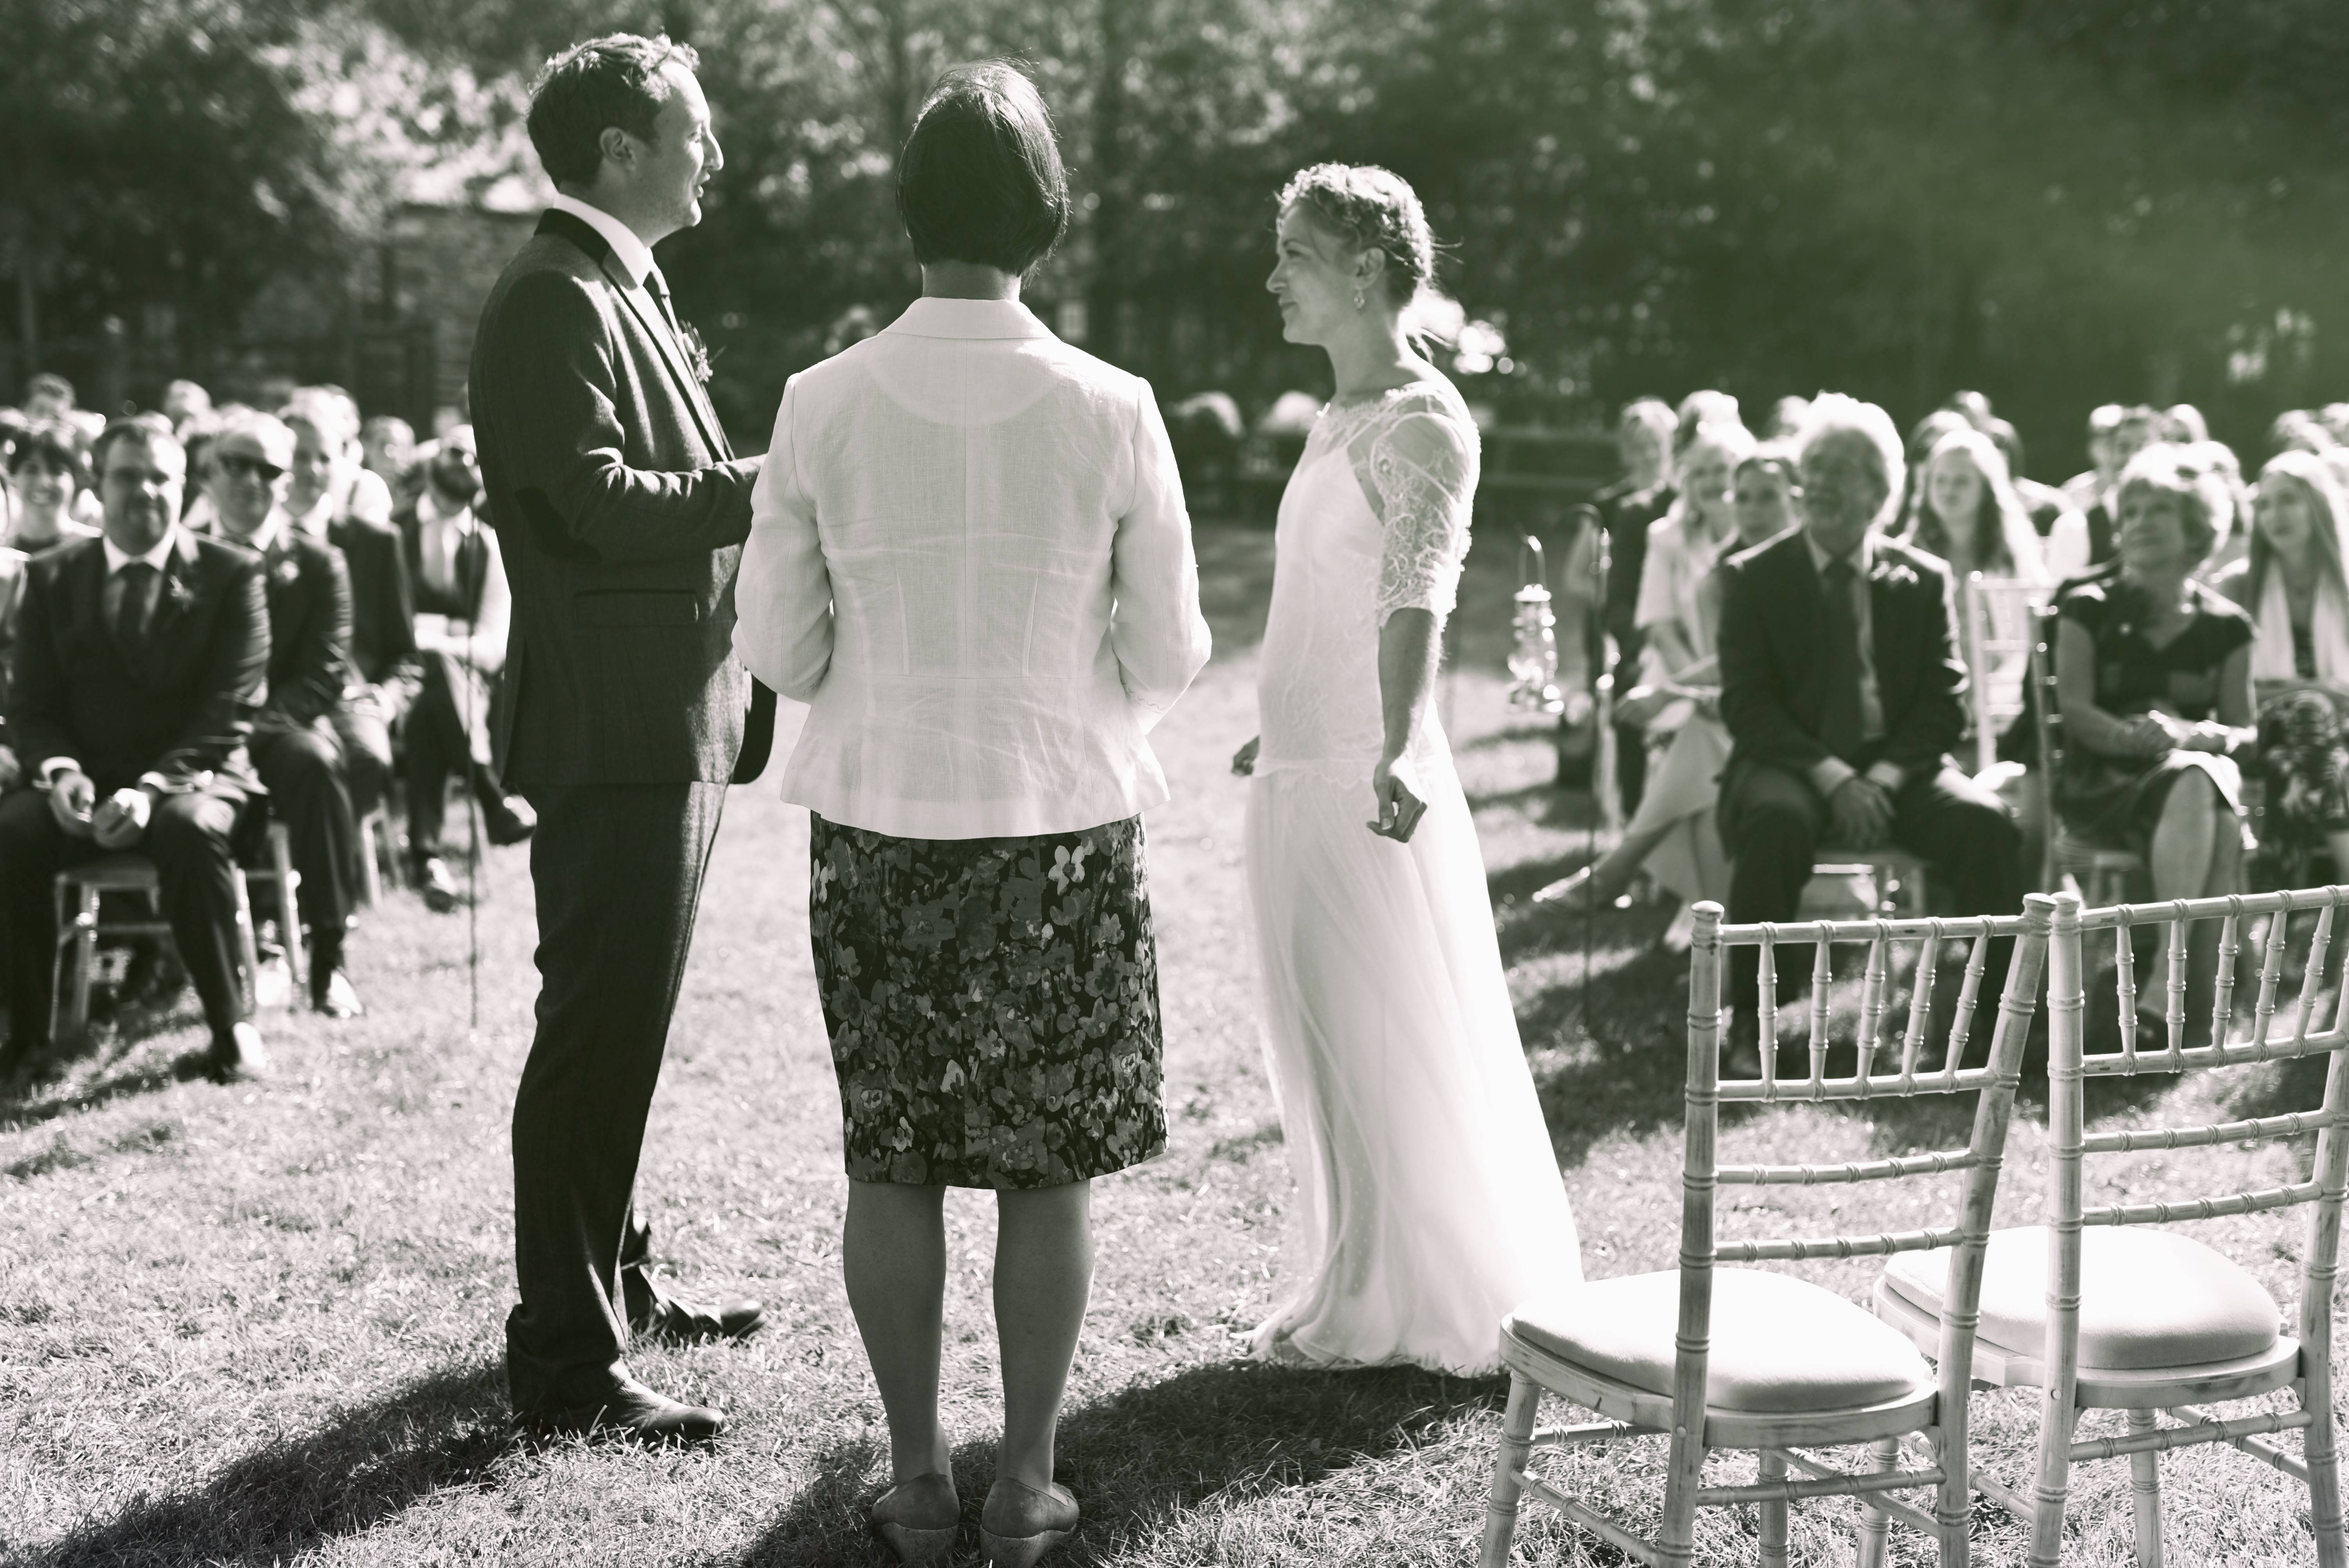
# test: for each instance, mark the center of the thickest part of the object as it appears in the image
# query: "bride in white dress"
(1429, 1191)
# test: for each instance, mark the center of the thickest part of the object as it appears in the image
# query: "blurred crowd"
(2150, 660)
(368, 605)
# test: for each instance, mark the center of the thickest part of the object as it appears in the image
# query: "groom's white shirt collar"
(636, 257)
(932, 317)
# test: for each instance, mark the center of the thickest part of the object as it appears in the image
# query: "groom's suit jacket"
(622, 511)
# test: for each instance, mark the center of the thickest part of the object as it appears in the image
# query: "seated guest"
(1841, 686)
(1787, 417)
(2081, 542)
(2293, 585)
(2183, 423)
(12, 597)
(2297, 430)
(2087, 487)
(48, 473)
(463, 610)
(2153, 674)
(141, 659)
(184, 404)
(330, 480)
(385, 676)
(1923, 439)
(1675, 836)
(295, 745)
(1643, 441)
(2214, 469)
(387, 450)
(1970, 517)
(49, 396)
(2042, 505)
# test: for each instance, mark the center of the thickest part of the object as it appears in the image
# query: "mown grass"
(260, 1325)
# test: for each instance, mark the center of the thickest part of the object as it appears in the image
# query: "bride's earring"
(1358, 299)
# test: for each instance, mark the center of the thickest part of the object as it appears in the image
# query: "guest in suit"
(1841, 688)
(2086, 541)
(140, 660)
(464, 609)
(986, 633)
(620, 510)
(46, 470)
(296, 747)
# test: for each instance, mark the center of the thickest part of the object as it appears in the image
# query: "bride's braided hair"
(1370, 208)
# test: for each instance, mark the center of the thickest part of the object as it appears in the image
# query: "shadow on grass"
(369, 1464)
(1230, 1430)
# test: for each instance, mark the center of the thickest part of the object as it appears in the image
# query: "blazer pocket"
(635, 608)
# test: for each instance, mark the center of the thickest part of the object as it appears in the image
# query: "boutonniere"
(697, 353)
(287, 571)
(176, 594)
(1895, 573)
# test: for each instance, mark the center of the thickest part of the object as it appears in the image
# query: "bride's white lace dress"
(1428, 1189)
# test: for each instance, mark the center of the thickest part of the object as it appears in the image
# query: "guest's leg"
(33, 849)
(1963, 831)
(434, 738)
(188, 839)
(2183, 854)
(363, 728)
(893, 1250)
(618, 879)
(1770, 820)
(309, 792)
(1044, 1275)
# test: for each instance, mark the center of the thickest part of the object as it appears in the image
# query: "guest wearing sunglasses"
(296, 747)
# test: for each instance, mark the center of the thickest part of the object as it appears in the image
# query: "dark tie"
(136, 605)
(657, 286)
(1841, 727)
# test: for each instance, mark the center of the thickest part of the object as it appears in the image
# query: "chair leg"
(289, 909)
(247, 946)
(2145, 1492)
(2323, 1453)
(1774, 1514)
(371, 870)
(85, 962)
(1874, 1521)
(2055, 1428)
(1517, 1450)
(66, 936)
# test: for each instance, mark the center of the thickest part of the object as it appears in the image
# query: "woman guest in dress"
(970, 554)
(1673, 835)
(2153, 674)
(2293, 585)
(1429, 1201)
(48, 472)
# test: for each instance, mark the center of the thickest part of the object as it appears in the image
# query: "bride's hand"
(1243, 759)
(1396, 787)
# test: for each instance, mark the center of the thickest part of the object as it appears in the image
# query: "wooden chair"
(80, 891)
(1996, 630)
(1898, 876)
(2098, 1313)
(286, 884)
(1783, 1365)
(2101, 873)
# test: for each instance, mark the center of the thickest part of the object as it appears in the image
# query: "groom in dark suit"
(1842, 691)
(621, 511)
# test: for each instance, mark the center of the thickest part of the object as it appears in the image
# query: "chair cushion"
(2149, 1298)
(1779, 1344)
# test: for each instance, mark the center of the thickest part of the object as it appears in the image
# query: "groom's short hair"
(615, 80)
(980, 178)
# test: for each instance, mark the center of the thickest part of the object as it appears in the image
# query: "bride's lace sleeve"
(1423, 478)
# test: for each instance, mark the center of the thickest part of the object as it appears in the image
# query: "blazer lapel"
(648, 316)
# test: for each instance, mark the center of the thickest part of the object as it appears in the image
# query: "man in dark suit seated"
(463, 610)
(295, 749)
(140, 658)
(1842, 691)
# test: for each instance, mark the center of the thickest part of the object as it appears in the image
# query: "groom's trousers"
(618, 870)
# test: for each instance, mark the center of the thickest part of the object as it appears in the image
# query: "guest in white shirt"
(970, 554)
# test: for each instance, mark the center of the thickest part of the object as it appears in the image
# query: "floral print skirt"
(992, 1004)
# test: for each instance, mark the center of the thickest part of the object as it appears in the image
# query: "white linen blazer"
(969, 556)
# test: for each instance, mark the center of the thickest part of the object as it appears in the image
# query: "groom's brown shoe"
(672, 1321)
(622, 1408)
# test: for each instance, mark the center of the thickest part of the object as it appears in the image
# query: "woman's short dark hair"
(57, 446)
(613, 80)
(980, 179)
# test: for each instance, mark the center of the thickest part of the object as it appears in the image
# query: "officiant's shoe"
(1019, 1524)
(621, 1408)
(918, 1518)
(672, 1321)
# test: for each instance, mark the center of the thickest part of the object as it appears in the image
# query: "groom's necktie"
(657, 286)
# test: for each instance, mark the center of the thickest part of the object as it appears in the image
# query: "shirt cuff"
(1828, 773)
(1891, 775)
(55, 766)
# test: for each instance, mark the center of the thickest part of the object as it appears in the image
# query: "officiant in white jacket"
(969, 556)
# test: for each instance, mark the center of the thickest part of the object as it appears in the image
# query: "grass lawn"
(262, 1324)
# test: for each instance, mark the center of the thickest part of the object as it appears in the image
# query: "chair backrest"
(2047, 731)
(1997, 631)
(2078, 932)
(1881, 1071)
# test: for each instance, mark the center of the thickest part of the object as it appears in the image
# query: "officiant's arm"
(549, 370)
(782, 596)
(1155, 626)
